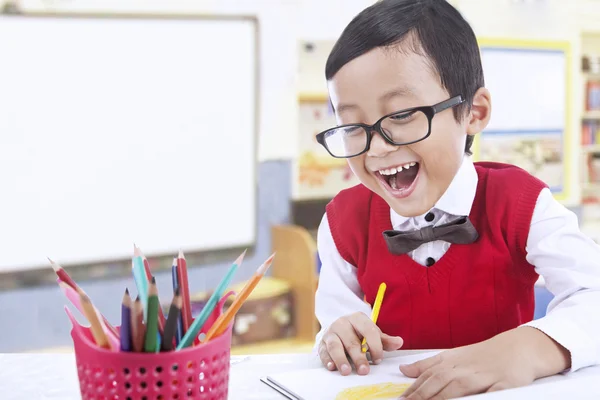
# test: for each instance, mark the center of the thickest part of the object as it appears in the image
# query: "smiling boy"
(459, 244)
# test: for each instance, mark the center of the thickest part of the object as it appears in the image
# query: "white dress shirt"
(568, 261)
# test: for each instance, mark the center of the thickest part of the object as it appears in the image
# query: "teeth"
(393, 171)
(393, 182)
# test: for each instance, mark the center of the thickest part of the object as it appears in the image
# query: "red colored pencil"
(161, 314)
(186, 309)
(63, 276)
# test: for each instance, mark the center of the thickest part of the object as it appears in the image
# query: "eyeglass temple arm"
(454, 101)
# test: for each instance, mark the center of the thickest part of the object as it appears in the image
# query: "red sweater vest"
(474, 291)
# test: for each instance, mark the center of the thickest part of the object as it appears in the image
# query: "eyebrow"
(404, 91)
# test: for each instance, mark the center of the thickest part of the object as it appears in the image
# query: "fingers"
(464, 384)
(325, 358)
(414, 370)
(391, 343)
(365, 328)
(430, 383)
(347, 331)
(336, 352)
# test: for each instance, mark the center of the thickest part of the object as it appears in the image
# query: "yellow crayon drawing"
(378, 391)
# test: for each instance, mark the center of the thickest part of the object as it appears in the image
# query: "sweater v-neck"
(418, 275)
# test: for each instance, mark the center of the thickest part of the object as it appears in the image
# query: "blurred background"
(190, 125)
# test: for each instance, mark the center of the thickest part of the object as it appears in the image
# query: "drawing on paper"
(379, 391)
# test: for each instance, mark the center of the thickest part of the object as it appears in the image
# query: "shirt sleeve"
(339, 292)
(569, 263)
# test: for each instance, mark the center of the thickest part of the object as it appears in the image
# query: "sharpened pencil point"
(239, 260)
(181, 254)
(263, 268)
(54, 265)
(177, 291)
(136, 251)
(153, 280)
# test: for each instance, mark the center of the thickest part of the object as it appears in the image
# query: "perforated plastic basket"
(200, 372)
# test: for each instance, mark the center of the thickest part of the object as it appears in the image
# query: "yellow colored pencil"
(375, 311)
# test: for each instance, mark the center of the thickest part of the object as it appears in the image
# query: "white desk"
(53, 376)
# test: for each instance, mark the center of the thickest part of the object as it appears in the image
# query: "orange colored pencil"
(63, 276)
(225, 319)
(184, 287)
(96, 327)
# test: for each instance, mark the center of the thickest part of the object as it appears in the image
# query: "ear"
(480, 113)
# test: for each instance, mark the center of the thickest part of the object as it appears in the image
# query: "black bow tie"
(460, 231)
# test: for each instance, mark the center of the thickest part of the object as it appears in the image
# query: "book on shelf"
(592, 95)
(590, 132)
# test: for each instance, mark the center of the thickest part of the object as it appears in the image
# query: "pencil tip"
(136, 251)
(181, 253)
(177, 291)
(54, 265)
(127, 291)
(137, 298)
(263, 268)
(239, 260)
(153, 280)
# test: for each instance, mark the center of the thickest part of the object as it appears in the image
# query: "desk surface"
(53, 376)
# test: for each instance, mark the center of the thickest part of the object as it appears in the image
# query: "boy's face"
(384, 81)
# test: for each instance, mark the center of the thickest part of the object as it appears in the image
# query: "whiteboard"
(115, 131)
(528, 88)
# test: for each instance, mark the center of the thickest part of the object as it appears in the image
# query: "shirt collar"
(458, 198)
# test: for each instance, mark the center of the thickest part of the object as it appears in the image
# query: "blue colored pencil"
(175, 279)
(141, 282)
(196, 327)
(125, 333)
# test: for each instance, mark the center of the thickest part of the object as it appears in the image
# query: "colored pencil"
(192, 333)
(375, 311)
(138, 329)
(63, 276)
(176, 289)
(172, 322)
(151, 342)
(161, 314)
(126, 322)
(225, 319)
(139, 276)
(74, 296)
(186, 308)
(96, 327)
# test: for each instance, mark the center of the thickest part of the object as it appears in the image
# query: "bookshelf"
(590, 117)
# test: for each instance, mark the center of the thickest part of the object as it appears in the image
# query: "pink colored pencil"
(186, 309)
(75, 298)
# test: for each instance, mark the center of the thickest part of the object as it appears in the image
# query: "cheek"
(441, 153)
(357, 165)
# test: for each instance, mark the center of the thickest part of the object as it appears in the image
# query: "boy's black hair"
(430, 27)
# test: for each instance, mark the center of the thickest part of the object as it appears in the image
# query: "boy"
(459, 245)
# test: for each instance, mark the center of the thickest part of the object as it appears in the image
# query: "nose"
(379, 147)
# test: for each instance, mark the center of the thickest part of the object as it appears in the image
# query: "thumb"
(391, 343)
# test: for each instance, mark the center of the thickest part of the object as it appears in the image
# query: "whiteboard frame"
(111, 268)
(565, 193)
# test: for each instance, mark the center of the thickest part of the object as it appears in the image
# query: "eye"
(402, 117)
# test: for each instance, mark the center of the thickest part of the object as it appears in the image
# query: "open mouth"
(399, 181)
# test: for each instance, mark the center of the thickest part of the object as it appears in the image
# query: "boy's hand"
(343, 338)
(511, 359)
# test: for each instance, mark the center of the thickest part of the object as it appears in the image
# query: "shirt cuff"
(581, 347)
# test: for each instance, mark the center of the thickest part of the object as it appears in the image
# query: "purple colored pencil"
(125, 333)
(175, 278)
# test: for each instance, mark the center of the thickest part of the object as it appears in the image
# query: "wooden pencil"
(225, 319)
(186, 307)
(169, 335)
(63, 276)
(126, 322)
(151, 342)
(96, 327)
(138, 330)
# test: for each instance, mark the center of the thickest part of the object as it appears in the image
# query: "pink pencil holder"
(199, 372)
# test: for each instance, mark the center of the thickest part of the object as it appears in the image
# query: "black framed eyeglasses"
(399, 128)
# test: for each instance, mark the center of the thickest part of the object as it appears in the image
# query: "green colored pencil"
(151, 344)
(195, 328)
